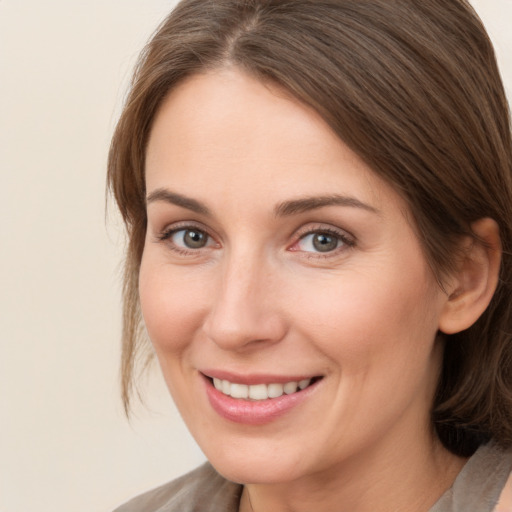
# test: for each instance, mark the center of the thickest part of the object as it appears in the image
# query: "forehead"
(226, 130)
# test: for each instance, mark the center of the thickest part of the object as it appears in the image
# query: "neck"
(412, 478)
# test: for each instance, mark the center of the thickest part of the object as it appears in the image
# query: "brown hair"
(412, 86)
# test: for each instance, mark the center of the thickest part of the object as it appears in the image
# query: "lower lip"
(255, 412)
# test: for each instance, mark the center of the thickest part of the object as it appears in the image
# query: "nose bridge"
(242, 311)
(240, 276)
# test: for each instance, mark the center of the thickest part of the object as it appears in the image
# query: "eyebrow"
(284, 209)
(306, 204)
(162, 194)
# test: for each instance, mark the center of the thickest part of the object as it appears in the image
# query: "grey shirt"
(477, 488)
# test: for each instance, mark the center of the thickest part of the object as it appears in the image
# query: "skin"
(259, 298)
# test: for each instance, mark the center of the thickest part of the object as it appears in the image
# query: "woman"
(318, 201)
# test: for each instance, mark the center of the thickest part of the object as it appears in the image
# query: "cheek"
(371, 320)
(380, 342)
(172, 305)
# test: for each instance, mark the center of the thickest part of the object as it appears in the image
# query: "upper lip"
(255, 378)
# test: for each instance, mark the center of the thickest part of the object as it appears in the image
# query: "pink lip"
(259, 378)
(255, 412)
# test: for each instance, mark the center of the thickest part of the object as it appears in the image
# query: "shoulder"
(483, 485)
(201, 490)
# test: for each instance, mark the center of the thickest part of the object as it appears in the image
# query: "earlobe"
(476, 280)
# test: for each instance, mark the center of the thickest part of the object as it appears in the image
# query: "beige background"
(64, 442)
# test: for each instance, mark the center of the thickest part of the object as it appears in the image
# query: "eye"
(185, 239)
(319, 242)
(322, 241)
(190, 238)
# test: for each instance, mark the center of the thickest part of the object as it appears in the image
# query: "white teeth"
(290, 387)
(259, 391)
(275, 390)
(226, 387)
(239, 391)
(304, 383)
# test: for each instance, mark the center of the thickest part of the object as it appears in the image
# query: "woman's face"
(276, 259)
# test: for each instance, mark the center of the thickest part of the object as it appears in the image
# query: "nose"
(245, 309)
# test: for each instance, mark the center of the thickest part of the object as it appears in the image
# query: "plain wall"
(64, 442)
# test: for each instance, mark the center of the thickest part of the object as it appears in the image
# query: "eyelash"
(346, 240)
(168, 233)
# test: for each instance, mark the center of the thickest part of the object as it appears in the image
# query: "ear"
(472, 287)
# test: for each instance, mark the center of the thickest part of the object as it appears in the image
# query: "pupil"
(195, 239)
(325, 243)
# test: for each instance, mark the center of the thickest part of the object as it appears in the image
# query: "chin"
(253, 464)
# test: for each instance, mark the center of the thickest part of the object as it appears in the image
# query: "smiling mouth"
(258, 392)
